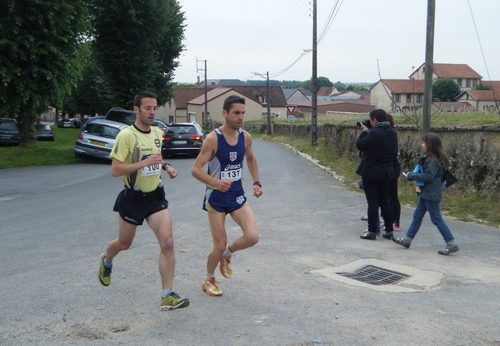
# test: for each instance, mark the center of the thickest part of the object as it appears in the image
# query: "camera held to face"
(365, 122)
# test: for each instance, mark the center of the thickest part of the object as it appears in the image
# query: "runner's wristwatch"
(257, 182)
(164, 166)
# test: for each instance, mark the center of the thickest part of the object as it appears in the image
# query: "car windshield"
(180, 130)
(42, 127)
(8, 126)
(101, 130)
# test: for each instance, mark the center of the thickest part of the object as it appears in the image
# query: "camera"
(365, 122)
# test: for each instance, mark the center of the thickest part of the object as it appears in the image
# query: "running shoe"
(225, 270)
(173, 301)
(104, 273)
(210, 287)
(401, 242)
(396, 227)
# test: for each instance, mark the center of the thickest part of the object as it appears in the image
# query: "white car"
(96, 139)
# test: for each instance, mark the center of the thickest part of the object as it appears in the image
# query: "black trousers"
(377, 196)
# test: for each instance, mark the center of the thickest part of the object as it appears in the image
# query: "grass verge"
(464, 206)
(58, 152)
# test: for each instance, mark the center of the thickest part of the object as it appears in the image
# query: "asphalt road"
(56, 221)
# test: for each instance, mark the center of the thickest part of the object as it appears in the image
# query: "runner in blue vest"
(223, 150)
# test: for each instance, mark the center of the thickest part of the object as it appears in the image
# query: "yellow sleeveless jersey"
(132, 146)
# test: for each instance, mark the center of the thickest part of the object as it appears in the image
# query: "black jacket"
(380, 147)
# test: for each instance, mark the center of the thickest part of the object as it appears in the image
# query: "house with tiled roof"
(175, 111)
(393, 95)
(462, 74)
(215, 101)
(482, 100)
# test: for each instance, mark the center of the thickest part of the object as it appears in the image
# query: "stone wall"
(473, 151)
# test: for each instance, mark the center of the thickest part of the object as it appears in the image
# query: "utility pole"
(268, 101)
(205, 119)
(314, 82)
(429, 66)
(268, 107)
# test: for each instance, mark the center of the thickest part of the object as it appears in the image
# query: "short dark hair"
(143, 94)
(378, 114)
(228, 102)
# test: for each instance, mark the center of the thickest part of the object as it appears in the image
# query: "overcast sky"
(366, 40)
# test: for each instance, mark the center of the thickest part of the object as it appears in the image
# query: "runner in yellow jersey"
(138, 160)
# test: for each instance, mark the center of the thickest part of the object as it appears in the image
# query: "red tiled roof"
(324, 91)
(404, 85)
(484, 95)
(455, 71)
(183, 95)
(492, 83)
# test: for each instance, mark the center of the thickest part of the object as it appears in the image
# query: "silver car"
(96, 139)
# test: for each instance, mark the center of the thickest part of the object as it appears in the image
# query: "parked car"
(70, 122)
(97, 138)
(44, 132)
(161, 124)
(9, 132)
(121, 115)
(91, 119)
(182, 138)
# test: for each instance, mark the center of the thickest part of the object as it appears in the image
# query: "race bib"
(233, 174)
(151, 170)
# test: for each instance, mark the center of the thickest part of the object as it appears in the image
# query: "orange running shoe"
(210, 287)
(225, 270)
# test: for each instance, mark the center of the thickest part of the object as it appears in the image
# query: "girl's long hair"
(435, 149)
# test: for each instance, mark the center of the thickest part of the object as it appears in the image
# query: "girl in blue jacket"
(431, 174)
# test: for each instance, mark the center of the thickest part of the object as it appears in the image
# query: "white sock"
(227, 253)
(166, 292)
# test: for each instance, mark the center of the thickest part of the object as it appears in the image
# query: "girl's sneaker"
(396, 226)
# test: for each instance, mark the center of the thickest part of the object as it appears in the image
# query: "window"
(459, 82)
(419, 98)
(467, 81)
(397, 99)
(408, 98)
(263, 100)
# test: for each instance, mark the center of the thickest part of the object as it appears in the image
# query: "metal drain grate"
(375, 275)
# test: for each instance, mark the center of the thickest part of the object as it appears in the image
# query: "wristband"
(257, 183)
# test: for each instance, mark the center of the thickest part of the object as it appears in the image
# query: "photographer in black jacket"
(380, 147)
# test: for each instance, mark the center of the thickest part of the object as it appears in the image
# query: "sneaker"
(366, 231)
(401, 242)
(173, 301)
(104, 273)
(225, 270)
(210, 287)
(448, 250)
(364, 218)
(396, 227)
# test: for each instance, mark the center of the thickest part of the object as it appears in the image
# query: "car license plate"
(5, 137)
(179, 142)
(101, 144)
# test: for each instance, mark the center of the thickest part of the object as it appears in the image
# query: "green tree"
(136, 46)
(38, 44)
(320, 82)
(482, 86)
(445, 89)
